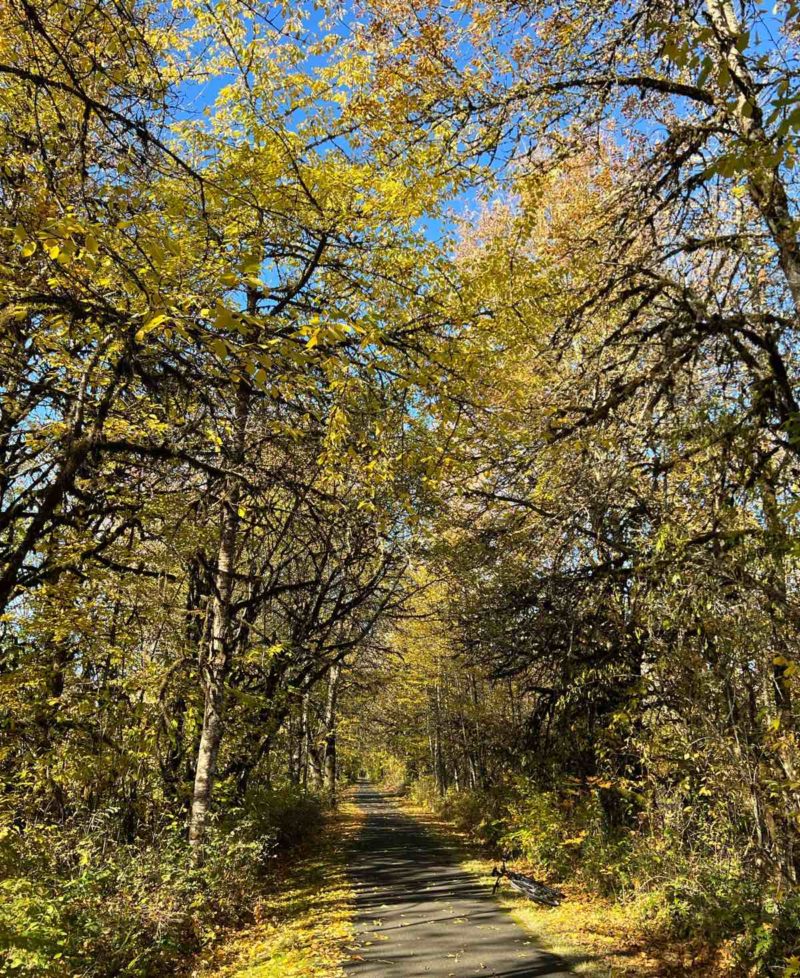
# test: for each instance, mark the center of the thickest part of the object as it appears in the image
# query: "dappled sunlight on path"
(420, 914)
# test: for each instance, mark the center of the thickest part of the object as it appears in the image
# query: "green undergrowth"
(637, 903)
(303, 925)
(74, 901)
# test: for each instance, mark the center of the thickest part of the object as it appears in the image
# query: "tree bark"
(305, 747)
(313, 759)
(216, 662)
(765, 184)
(329, 765)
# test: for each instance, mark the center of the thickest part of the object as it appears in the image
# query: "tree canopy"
(408, 386)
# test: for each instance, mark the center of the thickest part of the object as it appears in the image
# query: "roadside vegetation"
(302, 920)
(79, 902)
(600, 933)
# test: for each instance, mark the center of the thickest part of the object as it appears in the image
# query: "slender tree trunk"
(437, 764)
(297, 743)
(216, 661)
(469, 755)
(314, 760)
(441, 766)
(305, 736)
(781, 685)
(292, 760)
(477, 734)
(330, 731)
(765, 184)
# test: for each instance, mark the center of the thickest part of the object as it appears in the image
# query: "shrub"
(423, 792)
(282, 817)
(539, 832)
(72, 904)
(481, 815)
(709, 903)
(772, 945)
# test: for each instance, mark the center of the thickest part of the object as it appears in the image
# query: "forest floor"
(386, 890)
(301, 929)
(596, 936)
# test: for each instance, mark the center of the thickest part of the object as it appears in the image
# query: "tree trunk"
(765, 184)
(779, 678)
(313, 758)
(305, 738)
(330, 731)
(440, 772)
(291, 754)
(216, 662)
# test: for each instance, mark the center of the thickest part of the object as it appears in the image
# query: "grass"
(299, 931)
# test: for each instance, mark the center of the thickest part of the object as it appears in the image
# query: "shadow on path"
(418, 914)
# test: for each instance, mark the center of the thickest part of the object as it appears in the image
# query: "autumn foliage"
(408, 385)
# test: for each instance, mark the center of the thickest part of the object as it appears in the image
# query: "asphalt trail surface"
(418, 914)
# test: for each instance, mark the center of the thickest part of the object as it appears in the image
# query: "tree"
(220, 305)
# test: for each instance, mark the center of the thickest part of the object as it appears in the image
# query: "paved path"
(418, 914)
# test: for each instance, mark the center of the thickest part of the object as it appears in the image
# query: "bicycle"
(526, 885)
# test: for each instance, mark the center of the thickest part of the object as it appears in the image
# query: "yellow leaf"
(223, 317)
(149, 326)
